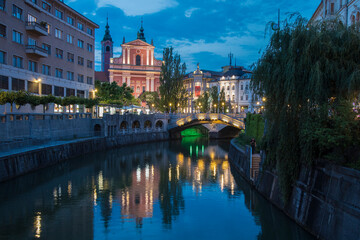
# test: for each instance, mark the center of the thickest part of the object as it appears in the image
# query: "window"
(70, 20)
(58, 91)
(80, 26)
(89, 47)
(332, 8)
(48, 28)
(17, 84)
(59, 14)
(246, 87)
(2, 30)
(2, 57)
(80, 43)
(59, 53)
(80, 78)
(32, 66)
(58, 33)
(31, 41)
(70, 76)
(70, 57)
(17, 37)
(242, 87)
(89, 31)
(33, 87)
(47, 48)
(69, 38)
(81, 61)
(138, 89)
(46, 70)
(4, 82)
(80, 93)
(228, 88)
(46, 6)
(31, 18)
(233, 87)
(89, 80)
(107, 49)
(233, 97)
(143, 89)
(34, 1)
(17, 12)
(89, 64)
(46, 89)
(138, 60)
(58, 73)
(2, 4)
(247, 97)
(17, 62)
(242, 98)
(70, 92)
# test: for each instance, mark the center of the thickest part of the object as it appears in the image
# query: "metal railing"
(36, 48)
(36, 24)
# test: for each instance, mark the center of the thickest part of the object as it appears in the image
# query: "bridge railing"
(212, 117)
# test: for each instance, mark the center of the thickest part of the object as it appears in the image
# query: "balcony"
(36, 51)
(38, 28)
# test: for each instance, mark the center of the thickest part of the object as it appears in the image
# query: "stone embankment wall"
(325, 199)
(18, 164)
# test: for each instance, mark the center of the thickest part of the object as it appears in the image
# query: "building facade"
(198, 82)
(348, 11)
(46, 47)
(137, 66)
(235, 82)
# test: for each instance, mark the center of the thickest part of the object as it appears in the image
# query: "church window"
(233, 87)
(107, 49)
(138, 89)
(138, 60)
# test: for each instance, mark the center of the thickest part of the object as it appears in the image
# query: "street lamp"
(223, 106)
(214, 107)
(170, 106)
(153, 105)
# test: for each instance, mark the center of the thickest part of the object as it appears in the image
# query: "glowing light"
(95, 196)
(225, 165)
(100, 181)
(180, 159)
(138, 174)
(37, 225)
(264, 99)
(201, 165)
(147, 172)
(169, 173)
(69, 188)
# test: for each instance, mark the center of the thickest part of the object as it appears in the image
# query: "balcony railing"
(35, 50)
(36, 27)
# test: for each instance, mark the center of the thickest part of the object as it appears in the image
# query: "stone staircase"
(255, 166)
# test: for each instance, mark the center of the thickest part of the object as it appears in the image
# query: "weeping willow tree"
(310, 76)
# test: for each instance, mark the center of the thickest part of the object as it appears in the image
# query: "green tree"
(214, 96)
(111, 93)
(172, 90)
(203, 102)
(151, 99)
(222, 103)
(310, 77)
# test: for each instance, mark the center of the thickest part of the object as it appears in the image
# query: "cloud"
(138, 7)
(245, 48)
(190, 11)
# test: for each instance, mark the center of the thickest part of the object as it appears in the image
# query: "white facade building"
(348, 11)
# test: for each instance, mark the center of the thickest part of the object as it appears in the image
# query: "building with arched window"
(347, 11)
(137, 66)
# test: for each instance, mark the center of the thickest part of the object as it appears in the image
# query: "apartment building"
(46, 47)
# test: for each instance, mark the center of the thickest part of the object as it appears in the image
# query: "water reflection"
(160, 190)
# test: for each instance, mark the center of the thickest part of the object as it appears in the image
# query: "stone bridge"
(113, 125)
(217, 125)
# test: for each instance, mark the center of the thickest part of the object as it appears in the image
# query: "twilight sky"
(203, 31)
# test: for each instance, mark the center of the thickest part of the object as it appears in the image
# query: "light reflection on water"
(166, 190)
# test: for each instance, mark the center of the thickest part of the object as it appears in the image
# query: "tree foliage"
(111, 93)
(310, 77)
(172, 89)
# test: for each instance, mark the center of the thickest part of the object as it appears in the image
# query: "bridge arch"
(147, 124)
(159, 124)
(97, 130)
(124, 125)
(136, 124)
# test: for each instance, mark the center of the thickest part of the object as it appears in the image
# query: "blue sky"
(203, 31)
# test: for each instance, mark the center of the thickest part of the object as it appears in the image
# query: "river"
(167, 190)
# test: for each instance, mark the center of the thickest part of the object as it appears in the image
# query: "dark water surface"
(167, 190)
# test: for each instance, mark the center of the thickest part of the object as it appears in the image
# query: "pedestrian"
(253, 145)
